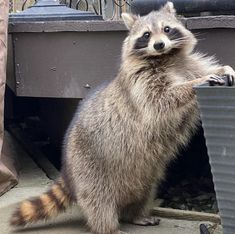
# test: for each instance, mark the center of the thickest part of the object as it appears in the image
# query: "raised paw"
(147, 221)
(216, 80)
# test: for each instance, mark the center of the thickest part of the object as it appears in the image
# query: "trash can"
(217, 110)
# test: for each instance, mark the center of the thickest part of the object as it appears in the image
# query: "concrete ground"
(34, 181)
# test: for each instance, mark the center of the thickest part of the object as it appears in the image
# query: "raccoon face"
(157, 33)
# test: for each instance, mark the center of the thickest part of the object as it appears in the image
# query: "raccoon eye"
(146, 35)
(167, 29)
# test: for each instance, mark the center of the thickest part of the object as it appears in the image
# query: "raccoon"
(124, 135)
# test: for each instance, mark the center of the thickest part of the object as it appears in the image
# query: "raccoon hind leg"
(102, 216)
(103, 219)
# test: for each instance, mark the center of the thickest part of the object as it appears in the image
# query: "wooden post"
(185, 215)
(7, 172)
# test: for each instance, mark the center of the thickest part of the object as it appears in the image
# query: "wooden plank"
(185, 215)
(68, 26)
(210, 22)
(115, 25)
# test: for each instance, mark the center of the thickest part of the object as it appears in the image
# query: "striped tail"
(49, 204)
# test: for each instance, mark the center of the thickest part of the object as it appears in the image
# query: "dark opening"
(188, 184)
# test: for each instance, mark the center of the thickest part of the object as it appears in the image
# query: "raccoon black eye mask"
(143, 41)
(174, 34)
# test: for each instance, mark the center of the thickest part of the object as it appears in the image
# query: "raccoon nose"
(159, 46)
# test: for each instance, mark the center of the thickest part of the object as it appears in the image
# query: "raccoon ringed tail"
(49, 204)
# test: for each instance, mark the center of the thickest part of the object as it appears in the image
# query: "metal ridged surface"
(217, 110)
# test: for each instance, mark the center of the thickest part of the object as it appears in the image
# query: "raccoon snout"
(159, 45)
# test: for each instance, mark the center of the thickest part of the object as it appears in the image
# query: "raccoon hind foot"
(147, 221)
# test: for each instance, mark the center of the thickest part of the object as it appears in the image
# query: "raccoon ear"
(129, 19)
(169, 7)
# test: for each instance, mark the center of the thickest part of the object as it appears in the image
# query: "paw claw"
(230, 79)
(147, 221)
(216, 80)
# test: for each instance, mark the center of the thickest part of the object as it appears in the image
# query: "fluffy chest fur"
(128, 126)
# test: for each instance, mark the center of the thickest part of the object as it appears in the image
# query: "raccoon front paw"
(146, 221)
(216, 80)
(227, 80)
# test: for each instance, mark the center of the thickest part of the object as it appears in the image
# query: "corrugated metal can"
(217, 110)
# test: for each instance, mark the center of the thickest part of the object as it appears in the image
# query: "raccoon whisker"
(198, 35)
(181, 38)
(177, 45)
(201, 39)
(179, 42)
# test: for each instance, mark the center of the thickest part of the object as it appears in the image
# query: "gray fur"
(123, 137)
